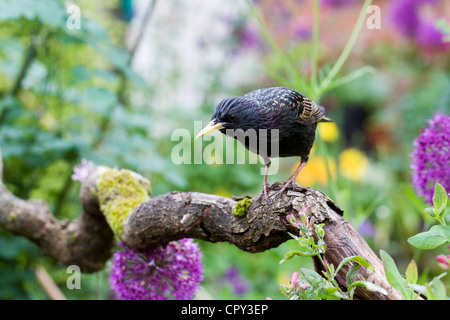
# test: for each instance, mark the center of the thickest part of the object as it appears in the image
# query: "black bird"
(294, 115)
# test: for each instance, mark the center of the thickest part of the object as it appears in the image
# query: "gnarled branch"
(87, 241)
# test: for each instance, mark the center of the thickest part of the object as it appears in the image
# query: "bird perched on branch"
(283, 123)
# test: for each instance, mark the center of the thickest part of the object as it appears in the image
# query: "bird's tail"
(321, 114)
(325, 119)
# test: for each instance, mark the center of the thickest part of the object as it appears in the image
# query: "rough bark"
(344, 241)
(87, 241)
(179, 215)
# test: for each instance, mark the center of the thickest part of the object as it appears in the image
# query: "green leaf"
(440, 198)
(411, 273)
(432, 238)
(310, 275)
(351, 273)
(368, 285)
(392, 274)
(50, 12)
(319, 230)
(356, 259)
(288, 256)
(438, 289)
(418, 288)
(430, 211)
(352, 76)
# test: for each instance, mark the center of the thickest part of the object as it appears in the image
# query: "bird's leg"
(265, 184)
(294, 176)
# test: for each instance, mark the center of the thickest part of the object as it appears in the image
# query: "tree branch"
(87, 241)
(179, 215)
(28, 59)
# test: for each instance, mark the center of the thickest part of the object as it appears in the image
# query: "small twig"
(148, 13)
(47, 283)
(40, 35)
(28, 59)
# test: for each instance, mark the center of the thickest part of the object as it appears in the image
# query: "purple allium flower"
(246, 39)
(405, 16)
(431, 157)
(81, 172)
(429, 36)
(166, 272)
(239, 284)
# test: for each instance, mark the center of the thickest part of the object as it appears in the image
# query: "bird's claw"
(285, 186)
(264, 193)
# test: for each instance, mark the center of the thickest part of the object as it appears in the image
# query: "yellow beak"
(210, 127)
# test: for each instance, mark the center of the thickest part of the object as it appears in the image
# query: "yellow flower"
(283, 278)
(353, 164)
(316, 171)
(223, 193)
(328, 131)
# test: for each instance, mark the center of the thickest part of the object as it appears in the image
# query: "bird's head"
(233, 113)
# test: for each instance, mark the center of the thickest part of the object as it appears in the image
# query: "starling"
(294, 115)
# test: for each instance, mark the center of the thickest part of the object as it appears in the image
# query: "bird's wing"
(311, 113)
(279, 98)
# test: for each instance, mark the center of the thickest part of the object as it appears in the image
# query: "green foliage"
(320, 81)
(438, 234)
(431, 239)
(428, 240)
(311, 285)
(377, 200)
(410, 290)
(440, 199)
(307, 245)
(64, 96)
(393, 275)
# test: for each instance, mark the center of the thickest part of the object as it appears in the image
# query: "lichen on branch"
(119, 193)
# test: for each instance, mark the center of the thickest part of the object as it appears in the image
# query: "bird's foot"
(285, 186)
(264, 193)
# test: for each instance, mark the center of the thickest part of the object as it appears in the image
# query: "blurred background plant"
(113, 91)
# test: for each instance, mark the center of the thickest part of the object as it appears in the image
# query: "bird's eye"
(232, 117)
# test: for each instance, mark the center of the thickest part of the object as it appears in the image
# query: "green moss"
(241, 207)
(119, 193)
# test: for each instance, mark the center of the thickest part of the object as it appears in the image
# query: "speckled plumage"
(294, 115)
